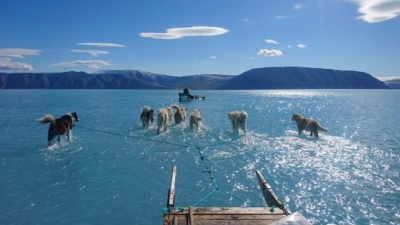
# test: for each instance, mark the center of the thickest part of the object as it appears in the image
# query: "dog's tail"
(176, 107)
(322, 128)
(146, 108)
(48, 118)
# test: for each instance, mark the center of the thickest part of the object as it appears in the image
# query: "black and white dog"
(147, 116)
(60, 126)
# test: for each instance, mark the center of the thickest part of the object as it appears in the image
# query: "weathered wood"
(227, 210)
(269, 195)
(191, 216)
(229, 221)
(225, 215)
(171, 192)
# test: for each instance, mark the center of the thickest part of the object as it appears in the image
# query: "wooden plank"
(228, 211)
(171, 192)
(226, 215)
(239, 217)
(235, 222)
(269, 195)
(191, 216)
(183, 219)
(196, 217)
(235, 210)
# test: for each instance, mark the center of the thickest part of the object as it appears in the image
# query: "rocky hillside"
(262, 78)
(303, 78)
(114, 79)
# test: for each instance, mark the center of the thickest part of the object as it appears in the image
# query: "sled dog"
(238, 119)
(60, 126)
(163, 119)
(307, 124)
(195, 119)
(180, 114)
(147, 116)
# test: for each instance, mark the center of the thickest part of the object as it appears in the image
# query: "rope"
(134, 137)
(180, 146)
(105, 132)
(147, 139)
(205, 197)
(216, 187)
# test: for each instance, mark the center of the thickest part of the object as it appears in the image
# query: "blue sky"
(187, 37)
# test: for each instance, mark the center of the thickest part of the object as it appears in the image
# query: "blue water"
(115, 172)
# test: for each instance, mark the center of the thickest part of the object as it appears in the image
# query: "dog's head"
(195, 112)
(183, 111)
(231, 115)
(74, 116)
(296, 117)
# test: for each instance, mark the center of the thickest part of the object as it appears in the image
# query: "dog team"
(64, 124)
(237, 118)
(164, 117)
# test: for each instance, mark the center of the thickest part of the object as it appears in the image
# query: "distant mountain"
(261, 78)
(394, 83)
(303, 78)
(110, 79)
(66, 80)
(135, 79)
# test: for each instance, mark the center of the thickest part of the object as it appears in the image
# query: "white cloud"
(289, 46)
(213, 57)
(281, 17)
(378, 10)
(18, 52)
(388, 78)
(89, 63)
(297, 6)
(269, 53)
(176, 33)
(102, 44)
(8, 64)
(247, 22)
(93, 53)
(301, 46)
(270, 41)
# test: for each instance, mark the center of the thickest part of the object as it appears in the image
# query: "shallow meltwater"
(314, 176)
(116, 171)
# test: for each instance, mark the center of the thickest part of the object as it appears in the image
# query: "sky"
(189, 37)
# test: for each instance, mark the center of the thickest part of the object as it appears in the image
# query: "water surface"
(115, 172)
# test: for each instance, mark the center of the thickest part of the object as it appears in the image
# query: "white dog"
(238, 119)
(163, 118)
(195, 119)
(169, 110)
